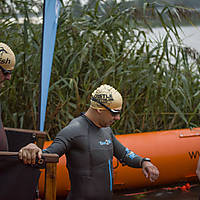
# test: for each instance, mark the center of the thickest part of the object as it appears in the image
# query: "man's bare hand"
(150, 171)
(29, 153)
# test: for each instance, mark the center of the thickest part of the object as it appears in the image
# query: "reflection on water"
(189, 34)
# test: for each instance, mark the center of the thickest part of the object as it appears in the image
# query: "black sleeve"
(58, 146)
(62, 142)
(125, 156)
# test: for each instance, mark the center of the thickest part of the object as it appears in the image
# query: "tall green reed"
(107, 43)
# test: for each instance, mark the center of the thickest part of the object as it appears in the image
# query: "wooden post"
(50, 175)
(50, 181)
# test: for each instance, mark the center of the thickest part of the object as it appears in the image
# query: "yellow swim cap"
(107, 95)
(7, 57)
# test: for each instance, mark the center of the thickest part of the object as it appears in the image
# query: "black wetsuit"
(3, 137)
(89, 151)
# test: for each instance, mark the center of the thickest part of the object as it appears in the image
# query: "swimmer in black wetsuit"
(89, 146)
(7, 64)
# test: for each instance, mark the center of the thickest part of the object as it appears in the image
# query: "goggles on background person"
(112, 111)
(5, 72)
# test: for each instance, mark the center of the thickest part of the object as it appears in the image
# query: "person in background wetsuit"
(198, 171)
(7, 63)
(89, 145)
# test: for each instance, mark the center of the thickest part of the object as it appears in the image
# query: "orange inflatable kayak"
(174, 152)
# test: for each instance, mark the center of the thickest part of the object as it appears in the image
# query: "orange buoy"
(174, 152)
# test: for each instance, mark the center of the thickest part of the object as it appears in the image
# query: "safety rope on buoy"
(184, 188)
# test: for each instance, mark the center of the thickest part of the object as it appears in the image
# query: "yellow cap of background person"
(7, 57)
(107, 95)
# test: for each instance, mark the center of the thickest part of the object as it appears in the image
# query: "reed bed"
(106, 43)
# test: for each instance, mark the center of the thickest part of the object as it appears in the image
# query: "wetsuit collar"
(84, 116)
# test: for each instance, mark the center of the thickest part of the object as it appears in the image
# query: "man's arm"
(127, 157)
(30, 152)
